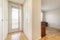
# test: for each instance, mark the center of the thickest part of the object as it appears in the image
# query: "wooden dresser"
(43, 28)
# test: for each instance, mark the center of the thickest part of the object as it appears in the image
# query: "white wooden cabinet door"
(1, 26)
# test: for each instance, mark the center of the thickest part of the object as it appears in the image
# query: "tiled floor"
(16, 36)
(52, 34)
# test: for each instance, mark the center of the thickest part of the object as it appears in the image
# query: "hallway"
(16, 36)
(20, 15)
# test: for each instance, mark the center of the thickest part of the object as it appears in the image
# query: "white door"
(1, 22)
(14, 17)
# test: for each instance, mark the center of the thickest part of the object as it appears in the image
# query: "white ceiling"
(50, 4)
(17, 1)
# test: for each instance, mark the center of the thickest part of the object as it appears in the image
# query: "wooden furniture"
(43, 28)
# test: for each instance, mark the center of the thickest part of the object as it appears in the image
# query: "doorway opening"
(15, 17)
(50, 26)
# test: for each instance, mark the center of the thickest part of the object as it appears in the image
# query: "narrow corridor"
(16, 36)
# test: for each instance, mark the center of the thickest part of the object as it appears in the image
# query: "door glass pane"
(20, 19)
(14, 18)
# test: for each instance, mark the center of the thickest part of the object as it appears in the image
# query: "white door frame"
(10, 17)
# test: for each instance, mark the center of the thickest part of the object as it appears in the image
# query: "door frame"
(11, 4)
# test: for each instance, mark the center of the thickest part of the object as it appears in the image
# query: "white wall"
(36, 19)
(32, 10)
(53, 18)
(27, 13)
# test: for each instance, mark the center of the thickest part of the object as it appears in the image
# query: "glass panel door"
(14, 18)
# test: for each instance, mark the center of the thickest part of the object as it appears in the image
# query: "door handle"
(1, 19)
